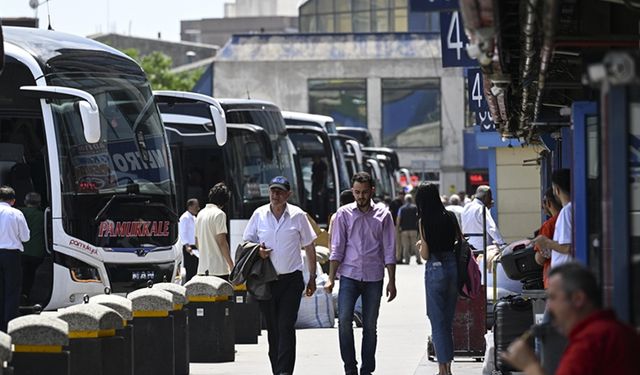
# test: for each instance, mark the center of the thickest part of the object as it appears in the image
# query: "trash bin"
(211, 322)
(38, 345)
(95, 349)
(180, 325)
(123, 307)
(5, 350)
(153, 332)
(246, 315)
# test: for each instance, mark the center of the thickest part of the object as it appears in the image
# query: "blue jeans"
(440, 279)
(371, 292)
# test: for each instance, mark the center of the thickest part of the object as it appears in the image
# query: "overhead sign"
(453, 41)
(485, 121)
(475, 91)
(433, 5)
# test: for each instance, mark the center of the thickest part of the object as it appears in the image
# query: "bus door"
(1, 49)
(318, 171)
(248, 152)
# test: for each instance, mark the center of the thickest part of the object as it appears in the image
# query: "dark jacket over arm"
(251, 269)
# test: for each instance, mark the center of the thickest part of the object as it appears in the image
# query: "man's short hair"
(192, 202)
(7, 193)
(482, 191)
(408, 198)
(219, 194)
(454, 200)
(32, 199)
(562, 179)
(363, 178)
(576, 277)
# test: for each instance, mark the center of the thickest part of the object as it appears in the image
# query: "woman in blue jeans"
(438, 230)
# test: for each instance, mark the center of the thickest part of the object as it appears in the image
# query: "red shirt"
(547, 229)
(600, 344)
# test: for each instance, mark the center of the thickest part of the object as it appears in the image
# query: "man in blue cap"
(282, 229)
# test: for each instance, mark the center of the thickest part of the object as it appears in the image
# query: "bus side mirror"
(219, 124)
(89, 112)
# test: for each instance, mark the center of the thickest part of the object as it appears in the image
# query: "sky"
(142, 18)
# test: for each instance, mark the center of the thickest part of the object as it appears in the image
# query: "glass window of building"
(361, 5)
(343, 99)
(411, 115)
(325, 6)
(308, 8)
(400, 3)
(381, 20)
(325, 23)
(400, 21)
(362, 22)
(343, 23)
(343, 5)
(308, 24)
(381, 4)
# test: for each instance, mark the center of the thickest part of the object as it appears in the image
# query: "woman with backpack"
(438, 233)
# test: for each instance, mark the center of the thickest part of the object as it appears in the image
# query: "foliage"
(157, 66)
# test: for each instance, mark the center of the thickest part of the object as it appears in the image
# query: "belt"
(473, 234)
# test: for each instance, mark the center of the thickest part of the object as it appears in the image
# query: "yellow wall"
(518, 194)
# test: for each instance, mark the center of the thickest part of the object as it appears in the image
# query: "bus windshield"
(129, 160)
(283, 152)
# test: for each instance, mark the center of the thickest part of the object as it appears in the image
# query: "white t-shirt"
(187, 228)
(13, 227)
(210, 222)
(563, 235)
(285, 237)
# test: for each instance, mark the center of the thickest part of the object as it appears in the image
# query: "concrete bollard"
(5, 351)
(211, 323)
(123, 307)
(95, 348)
(153, 332)
(246, 315)
(38, 345)
(180, 325)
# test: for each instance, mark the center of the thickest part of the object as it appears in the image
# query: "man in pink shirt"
(363, 244)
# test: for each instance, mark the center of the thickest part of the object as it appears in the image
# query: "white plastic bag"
(489, 364)
(316, 311)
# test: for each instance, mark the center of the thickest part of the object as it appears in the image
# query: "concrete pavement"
(402, 335)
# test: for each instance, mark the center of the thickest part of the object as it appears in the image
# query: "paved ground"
(402, 334)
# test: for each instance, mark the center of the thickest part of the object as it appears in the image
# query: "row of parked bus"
(115, 162)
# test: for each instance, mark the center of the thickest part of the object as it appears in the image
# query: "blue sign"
(485, 121)
(453, 41)
(432, 5)
(475, 91)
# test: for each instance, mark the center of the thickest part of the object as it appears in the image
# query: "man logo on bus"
(122, 229)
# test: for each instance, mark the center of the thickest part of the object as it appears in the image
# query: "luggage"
(513, 316)
(468, 328)
(520, 264)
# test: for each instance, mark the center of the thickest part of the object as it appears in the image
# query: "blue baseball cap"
(280, 182)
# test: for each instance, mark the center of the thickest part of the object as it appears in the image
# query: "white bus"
(258, 148)
(79, 125)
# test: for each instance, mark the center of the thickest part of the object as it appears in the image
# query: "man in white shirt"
(455, 207)
(282, 229)
(560, 245)
(472, 219)
(187, 235)
(211, 235)
(15, 231)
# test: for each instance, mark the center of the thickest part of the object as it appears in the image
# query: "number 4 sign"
(475, 90)
(453, 41)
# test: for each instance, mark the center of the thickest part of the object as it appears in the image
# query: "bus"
(388, 165)
(257, 149)
(363, 135)
(79, 125)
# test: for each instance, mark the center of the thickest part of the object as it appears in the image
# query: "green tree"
(157, 66)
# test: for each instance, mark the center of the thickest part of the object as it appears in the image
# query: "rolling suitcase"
(513, 316)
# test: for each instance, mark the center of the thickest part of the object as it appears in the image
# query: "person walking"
(187, 234)
(455, 207)
(472, 219)
(15, 231)
(211, 235)
(438, 232)
(363, 245)
(34, 249)
(394, 206)
(407, 226)
(282, 229)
